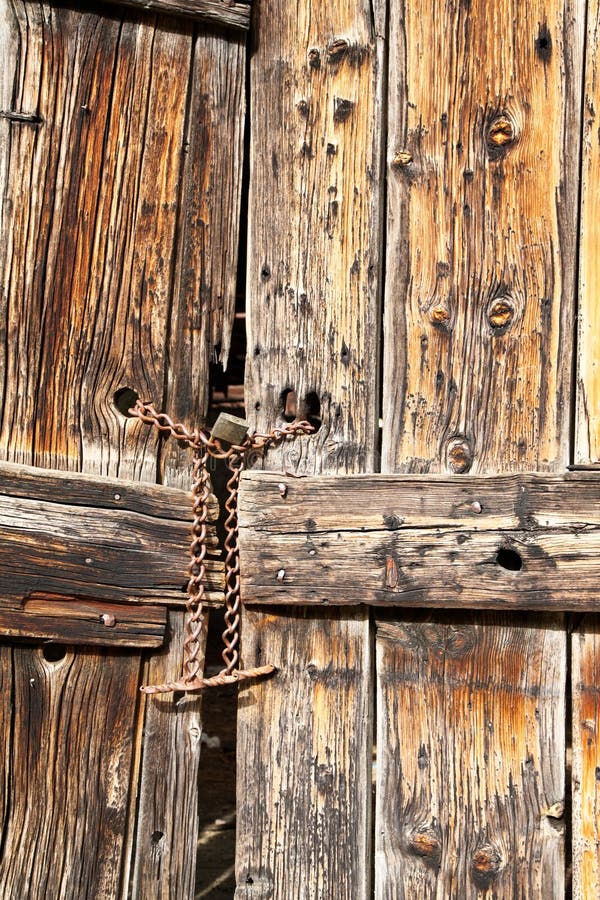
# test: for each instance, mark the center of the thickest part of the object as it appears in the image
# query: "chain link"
(235, 456)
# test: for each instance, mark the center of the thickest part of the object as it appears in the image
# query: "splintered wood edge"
(229, 15)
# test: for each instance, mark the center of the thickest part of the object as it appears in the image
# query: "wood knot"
(501, 134)
(486, 865)
(342, 109)
(440, 316)
(402, 159)
(337, 49)
(500, 314)
(426, 844)
(459, 455)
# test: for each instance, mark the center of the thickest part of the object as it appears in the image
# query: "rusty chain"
(235, 456)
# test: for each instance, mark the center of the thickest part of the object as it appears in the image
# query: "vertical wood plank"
(304, 739)
(585, 644)
(204, 284)
(70, 756)
(479, 313)
(108, 187)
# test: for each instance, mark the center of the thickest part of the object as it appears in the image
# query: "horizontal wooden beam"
(218, 12)
(519, 542)
(92, 560)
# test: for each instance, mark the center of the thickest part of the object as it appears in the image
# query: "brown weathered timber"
(69, 745)
(219, 12)
(305, 736)
(167, 813)
(99, 117)
(520, 541)
(101, 539)
(206, 267)
(75, 621)
(482, 220)
(488, 850)
(586, 758)
(202, 317)
(585, 645)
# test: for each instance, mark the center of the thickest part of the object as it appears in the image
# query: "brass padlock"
(229, 429)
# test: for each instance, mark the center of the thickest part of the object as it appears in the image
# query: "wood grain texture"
(585, 646)
(521, 541)
(483, 152)
(93, 538)
(587, 419)
(87, 316)
(455, 817)
(69, 752)
(167, 812)
(305, 737)
(226, 13)
(482, 220)
(206, 261)
(304, 794)
(98, 111)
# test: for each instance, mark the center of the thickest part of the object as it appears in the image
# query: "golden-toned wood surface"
(585, 646)
(483, 156)
(106, 119)
(305, 736)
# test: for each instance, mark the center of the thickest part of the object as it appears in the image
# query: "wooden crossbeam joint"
(518, 542)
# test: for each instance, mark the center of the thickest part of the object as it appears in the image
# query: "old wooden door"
(423, 230)
(120, 160)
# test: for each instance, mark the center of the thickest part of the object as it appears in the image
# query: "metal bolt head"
(108, 620)
(282, 489)
(281, 575)
(476, 506)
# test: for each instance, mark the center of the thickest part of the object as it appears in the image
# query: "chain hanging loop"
(206, 446)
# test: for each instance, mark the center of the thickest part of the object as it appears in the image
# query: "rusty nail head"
(108, 620)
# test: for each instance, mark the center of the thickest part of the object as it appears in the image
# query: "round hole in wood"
(124, 399)
(509, 559)
(54, 652)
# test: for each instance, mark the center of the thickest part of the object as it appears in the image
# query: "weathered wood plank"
(166, 827)
(75, 621)
(70, 747)
(482, 221)
(305, 736)
(131, 547)
(586, 758)
(521, 541)
(97, 117)
(227, 13)
(421, 664)
(585, 646)
(394, 502)
(587, 418)
(204, 285)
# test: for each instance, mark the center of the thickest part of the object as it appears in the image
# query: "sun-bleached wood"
(520, 541)
(305, 736)
(483, 155)
(585, 645)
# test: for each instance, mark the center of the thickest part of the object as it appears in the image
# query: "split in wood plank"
(219, 12)
(521, 542)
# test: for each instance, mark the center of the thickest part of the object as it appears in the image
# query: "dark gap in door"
(215, 866)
